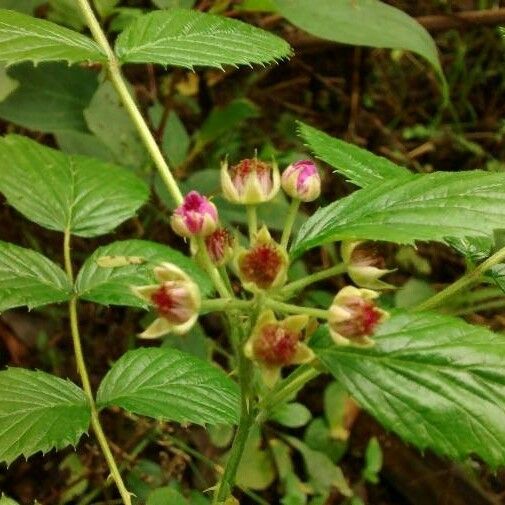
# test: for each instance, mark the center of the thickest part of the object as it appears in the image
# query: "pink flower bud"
(274, 344)
(176, 298)
(220, 245)
(264, 265)
(353, 316)
(365, 265)
(195, 216)
(250, 181)
(301, 180)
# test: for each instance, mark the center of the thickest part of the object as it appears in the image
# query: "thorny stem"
(252, 221)
(118, 81)
(290, 221)
(83, 373)
(288, 308)
(462, 282)
(290, 288)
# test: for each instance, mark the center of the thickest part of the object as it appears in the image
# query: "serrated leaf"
(363, 23)
(112, 285)
(358, 165)
(25, 38)
(476, 249)
(50, 97)
(189, 38)
(436, 381)
(170, 385)
(58, 191)
(28, 278)
(39, 412)
(421, 207)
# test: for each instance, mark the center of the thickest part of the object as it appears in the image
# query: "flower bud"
(251, 181)
(274, 344)
(364, 265)
(220, 246)
(353, 316)
(176, 298)
(301, 180)
(195, 216)
(264, 265)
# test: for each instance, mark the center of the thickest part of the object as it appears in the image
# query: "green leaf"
(49, 97)
(436, 381)
(373, 461)
(25, 38)
(362, 23)
(111, 285)
(5, 500)
(84, 144)
(358, 165)
(164, 496)
(476, 249)
(28, 278)
(24, 6)
(39, 412)
(67, 13)
(105, 7)
(421, 207)
(170, 385)
(58, 191)
(188, 38)
(104, 110)
(291, 415)
(171, 4)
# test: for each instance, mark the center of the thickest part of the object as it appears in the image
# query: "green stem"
(462, 282)
(117, 80)
(290, 221)
(289, 386)
(252, 221)
(288, 308)
(86, 385)
(479, 307)
(476, 296)
(222, 304)
(214, 275)
(290, 288)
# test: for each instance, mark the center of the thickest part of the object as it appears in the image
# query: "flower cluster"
(262, 266)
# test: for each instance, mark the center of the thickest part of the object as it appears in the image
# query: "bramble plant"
(433, 379)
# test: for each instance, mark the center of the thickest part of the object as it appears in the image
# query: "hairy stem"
(86, 385)
(462, 282)
(298, 285)
(213, 272)
(288, 308)
(118, 81)
(290, 221)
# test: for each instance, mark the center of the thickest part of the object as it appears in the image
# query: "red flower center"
(171, 302)
(261, 264)
(365, 317)
(276, 346)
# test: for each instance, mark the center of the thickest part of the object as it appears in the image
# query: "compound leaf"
(436, 381)
(135, 261)
(187, 38)
(25, 38)
(27, 278)
(59, 191)
(167, 384)
(39, 412)
(358, 165)
(419, 207)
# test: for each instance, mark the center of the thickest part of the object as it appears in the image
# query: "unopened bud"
(274, 344)
(364, 265)
(176, 298)
(251, 181)
(354, 316)
(301, 180)
(195, 216)
(220, 246)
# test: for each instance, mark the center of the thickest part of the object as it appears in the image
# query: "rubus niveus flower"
(301, 180)
(176, 298)
(274, 344)
(220, 246)
(364, 265)
(264, 265)
(197, 215)
(251, 181)
(354, 316)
